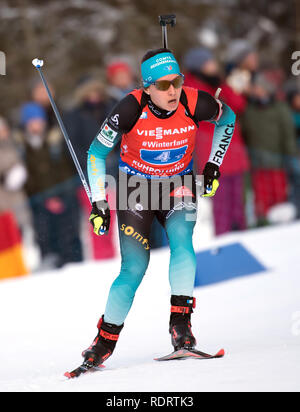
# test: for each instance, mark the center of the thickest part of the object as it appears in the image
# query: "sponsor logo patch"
(131, 232)
(163, 157)
(115, 119)
(107, 136)
(144, 115)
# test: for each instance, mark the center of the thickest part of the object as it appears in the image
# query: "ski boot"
(180, 322)
(103, 344)
(183, 339)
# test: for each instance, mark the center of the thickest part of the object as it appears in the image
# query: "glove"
(100, 217)
(211, 175)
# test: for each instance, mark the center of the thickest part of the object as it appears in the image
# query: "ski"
(82, 369)
(190, 353)
(176, 355)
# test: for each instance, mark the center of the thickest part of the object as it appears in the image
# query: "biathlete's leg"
(135, 253)
(182, 278)
(179, 223)
(134, 232)
(182, 269)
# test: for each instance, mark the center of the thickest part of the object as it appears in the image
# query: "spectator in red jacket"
(203, 73)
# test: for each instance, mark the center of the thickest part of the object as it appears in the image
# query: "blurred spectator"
(120, 79)
(13, 176)
(50, 187)
(84, 120)
(38, 94)
(203, 73)
(270, 137)
(293, 98)
(120, 82)
(242, 63)
(82, 124)
(276, 75)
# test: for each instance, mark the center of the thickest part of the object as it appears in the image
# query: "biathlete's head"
(162, 79)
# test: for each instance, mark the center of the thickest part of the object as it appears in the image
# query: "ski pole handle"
(164, 20)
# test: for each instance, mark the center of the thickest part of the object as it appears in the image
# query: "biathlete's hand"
(211, 175)
(100, 217)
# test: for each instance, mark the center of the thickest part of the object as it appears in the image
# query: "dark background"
(75, 37)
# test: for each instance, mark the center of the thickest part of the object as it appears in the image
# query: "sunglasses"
(164, 85)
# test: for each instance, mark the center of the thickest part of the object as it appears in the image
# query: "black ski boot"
(180, 322)
(104, 343)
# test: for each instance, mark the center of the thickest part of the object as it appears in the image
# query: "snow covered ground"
(47, 320)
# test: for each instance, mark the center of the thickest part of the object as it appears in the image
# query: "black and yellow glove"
(100, 217)
(211, 175)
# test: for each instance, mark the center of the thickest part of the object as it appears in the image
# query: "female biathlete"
(157, 125)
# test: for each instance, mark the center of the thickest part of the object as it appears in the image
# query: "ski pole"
(164, 20)
(38, 64)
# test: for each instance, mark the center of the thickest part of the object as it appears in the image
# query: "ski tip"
(220, 354)
(77, 372)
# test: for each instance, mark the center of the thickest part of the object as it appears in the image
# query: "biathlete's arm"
(96, 167)
(122, 118)
(222, 116)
